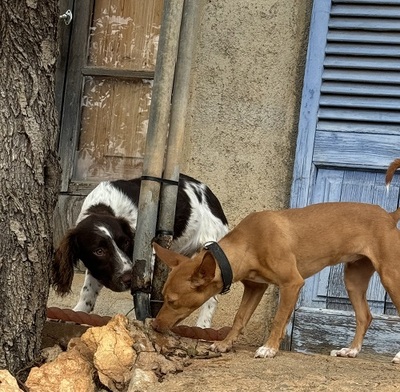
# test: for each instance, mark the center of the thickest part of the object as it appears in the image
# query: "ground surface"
(239, 371)
(288, 371)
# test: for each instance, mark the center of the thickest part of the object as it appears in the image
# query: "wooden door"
(349, 131)
(109, 62)
(108, 89)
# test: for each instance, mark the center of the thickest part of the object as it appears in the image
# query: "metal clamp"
(67, 17)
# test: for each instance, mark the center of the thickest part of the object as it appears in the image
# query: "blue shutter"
(350, 113)
(349, 127)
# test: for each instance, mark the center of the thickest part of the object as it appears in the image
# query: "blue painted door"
(349, 131)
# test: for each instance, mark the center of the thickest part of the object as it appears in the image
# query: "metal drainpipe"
(169, 190)
(154, 156)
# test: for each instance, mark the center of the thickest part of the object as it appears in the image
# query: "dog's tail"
(388, 179)
(390, 171)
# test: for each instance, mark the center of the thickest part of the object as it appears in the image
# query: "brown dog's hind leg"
(288, 294)
(252, 295)
(390, 278)
(356, 277)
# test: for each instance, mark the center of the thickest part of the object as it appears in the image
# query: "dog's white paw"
(221, 347)
(396, 358)
(265, 352)
(345, 352)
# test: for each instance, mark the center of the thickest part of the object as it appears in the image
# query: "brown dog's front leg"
(252, 295)
(288, 297)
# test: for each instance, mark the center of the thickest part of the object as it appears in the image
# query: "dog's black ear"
(205, 272)
(172, 259)
(126, 227)
(62, 268)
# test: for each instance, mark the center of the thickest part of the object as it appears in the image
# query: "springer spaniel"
(103, 238)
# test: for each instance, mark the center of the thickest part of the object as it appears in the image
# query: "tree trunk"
(29, 174)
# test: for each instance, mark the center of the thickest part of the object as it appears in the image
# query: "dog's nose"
(126, 278)
(156, 325)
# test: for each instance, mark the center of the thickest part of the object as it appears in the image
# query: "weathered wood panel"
(304, 169)
(339, 125)
(70, 118)
(364, 10)
(361, 102)
(63, 39)
(124, 34)
(348, 89)
(363, 36)
(113, 131)
(354, 150)
(65, 215)
(321, 330)
(327, 289)
(348, 23)
(111, 63)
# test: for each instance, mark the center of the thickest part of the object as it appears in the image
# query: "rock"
(122, 355)
(71, 371)
(51, 353)
(114, 355)
(141, 380)
(142, 336)
(7, 382)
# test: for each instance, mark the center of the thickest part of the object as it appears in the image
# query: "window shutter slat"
(365, 10)
(364, 23)
(358, 49)
(360, 102)
(358, 127)
(363, 63)
(363, 89)
(361, 78)
(375, 2)
(370, 37)
(383, 116)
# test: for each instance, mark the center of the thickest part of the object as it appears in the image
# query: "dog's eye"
(172, 301)
(99, 252)
(171, 304)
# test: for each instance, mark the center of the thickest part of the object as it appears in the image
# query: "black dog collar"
(223, 263)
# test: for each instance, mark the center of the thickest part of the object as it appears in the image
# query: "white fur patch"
(207, 311)
(124, 262)
(107, 194)
(396, 358)
(265, 352)
(89, 292)
(345, 352)
(202, 226)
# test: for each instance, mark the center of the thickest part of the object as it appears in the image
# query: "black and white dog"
(103, 238)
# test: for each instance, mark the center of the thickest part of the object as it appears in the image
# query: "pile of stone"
(124, 355)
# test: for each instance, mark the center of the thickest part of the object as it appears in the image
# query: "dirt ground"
(288, 371)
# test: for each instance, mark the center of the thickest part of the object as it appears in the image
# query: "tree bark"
(29, 174)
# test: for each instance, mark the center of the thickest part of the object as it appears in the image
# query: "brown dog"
(284, 248)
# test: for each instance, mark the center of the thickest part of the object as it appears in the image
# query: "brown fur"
(391, 170)
(62, 272)
(284, 248)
